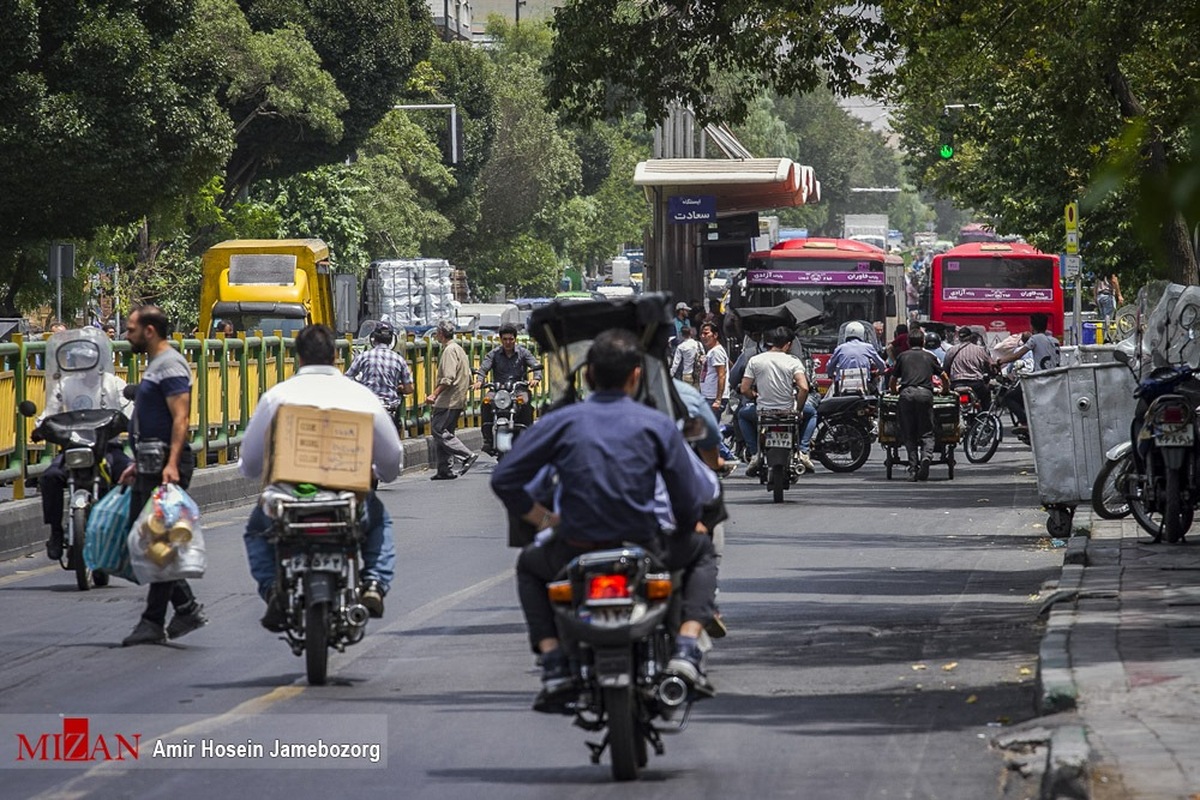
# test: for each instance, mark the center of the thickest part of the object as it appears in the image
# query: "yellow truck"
(274, 284)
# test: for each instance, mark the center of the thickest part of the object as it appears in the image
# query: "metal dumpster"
(1076, 414)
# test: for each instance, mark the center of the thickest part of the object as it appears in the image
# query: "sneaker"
(54, 546)
(275, 618)
(184, 623)
(686, 663)
(807, 462)
(557, 684)
(146, 632)
(716, 627)
(728, 469)
(923, 470)
(468, 463)
(755, 469)
(371, 596)
(443, 476)
(912, 475)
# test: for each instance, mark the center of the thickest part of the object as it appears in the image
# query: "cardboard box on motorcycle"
(326, 447)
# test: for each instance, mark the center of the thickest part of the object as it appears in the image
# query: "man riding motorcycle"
(508, 363)
(610, 453)
(969, 366)
(382, 370)
(854, 354)
(776, 381)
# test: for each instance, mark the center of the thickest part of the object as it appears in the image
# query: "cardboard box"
(330, 448)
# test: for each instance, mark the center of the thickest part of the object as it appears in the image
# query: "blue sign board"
(684, 209)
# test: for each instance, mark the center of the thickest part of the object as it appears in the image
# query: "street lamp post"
(519, 4)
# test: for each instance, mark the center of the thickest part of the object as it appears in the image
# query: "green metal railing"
(229, 375)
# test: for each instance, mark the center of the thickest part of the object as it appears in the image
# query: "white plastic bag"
(166, 542)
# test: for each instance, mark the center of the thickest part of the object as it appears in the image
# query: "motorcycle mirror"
(1121, 356)
(27, 408)
(130, 391)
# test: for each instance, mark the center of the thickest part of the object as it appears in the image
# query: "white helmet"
(856, 330)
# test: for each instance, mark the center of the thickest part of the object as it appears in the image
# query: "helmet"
(932, 340)
(383, 334)
(856, 330)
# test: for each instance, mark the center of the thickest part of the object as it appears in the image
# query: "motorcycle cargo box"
(945, 418)
(326, 447)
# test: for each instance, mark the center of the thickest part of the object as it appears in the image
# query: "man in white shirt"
(777, 381)
(319, 383)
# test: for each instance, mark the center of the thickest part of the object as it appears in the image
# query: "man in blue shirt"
(609, 453)
(854, 355)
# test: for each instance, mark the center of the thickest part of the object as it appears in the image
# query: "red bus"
(996, 286)
(846, 279)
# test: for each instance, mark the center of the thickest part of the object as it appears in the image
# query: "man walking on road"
(319, 383)
(160, 441)
(448, 400)
(913, 379)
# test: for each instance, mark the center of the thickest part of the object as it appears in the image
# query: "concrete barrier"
(22, 530)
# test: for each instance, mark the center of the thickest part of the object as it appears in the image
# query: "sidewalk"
(1120, 667)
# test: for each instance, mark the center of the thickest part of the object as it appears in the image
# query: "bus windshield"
(965, 278)
(837, 303)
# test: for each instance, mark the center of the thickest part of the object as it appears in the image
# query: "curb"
(213, 488)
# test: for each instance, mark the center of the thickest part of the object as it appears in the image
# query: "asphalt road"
(880, 634)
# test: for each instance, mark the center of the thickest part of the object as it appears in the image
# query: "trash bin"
(1076, 414)
(1093, 333)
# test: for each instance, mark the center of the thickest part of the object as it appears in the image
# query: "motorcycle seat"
(841, 404)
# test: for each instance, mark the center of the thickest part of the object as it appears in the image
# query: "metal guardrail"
(229, 375)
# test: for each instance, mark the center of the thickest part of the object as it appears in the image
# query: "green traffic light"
(947, 151)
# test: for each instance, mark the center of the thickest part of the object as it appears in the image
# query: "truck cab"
(267, 285)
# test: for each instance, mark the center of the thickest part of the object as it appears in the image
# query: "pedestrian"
(319, 383)
(448, 399)
(159, 433)
(899, 343)
(913, 378)
(685, 364)
(1108, 296)
(714, 377)
(681, 318)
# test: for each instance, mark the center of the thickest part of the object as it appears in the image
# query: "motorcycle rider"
(969, 366)
(776, 381)
(1045, 353)
(382, 370)
(912, 377)
(855, 354)
(319, 383)
(610, 453)
(509, 362)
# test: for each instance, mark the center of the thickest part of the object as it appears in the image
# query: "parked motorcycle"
(505, 398)
(81, 384)
(318, 543)
(618, 608)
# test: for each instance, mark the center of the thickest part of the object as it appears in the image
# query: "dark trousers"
(1014, 401)
(176, 593)
(522, 417)
(53, 482)
(447, 446)
(916, 423)
(690, 552)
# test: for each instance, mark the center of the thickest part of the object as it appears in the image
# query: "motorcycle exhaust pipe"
(357, 615)
(673, 691)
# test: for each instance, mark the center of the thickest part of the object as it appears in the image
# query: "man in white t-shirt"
(714, 376)
(777, 381)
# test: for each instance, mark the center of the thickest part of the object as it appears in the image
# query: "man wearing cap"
(682, 320)
(969, 366)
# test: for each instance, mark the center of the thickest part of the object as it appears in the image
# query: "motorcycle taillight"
(1173, 415)
(608, 587)
(964, 399)
(317, 529)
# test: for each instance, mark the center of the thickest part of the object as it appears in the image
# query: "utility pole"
(519, 4)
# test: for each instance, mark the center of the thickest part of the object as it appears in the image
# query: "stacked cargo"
(409, 292)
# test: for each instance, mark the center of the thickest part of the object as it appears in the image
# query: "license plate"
(1175, 436)
(318, 562)
(782, 438)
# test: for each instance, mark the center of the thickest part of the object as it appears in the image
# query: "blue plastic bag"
(105, 545)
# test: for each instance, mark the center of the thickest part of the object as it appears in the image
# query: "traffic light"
(945, 136)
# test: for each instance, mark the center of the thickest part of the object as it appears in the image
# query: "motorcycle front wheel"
(83, 575)
(842, 447)
(624, 738)
(316, 642)
(982, 439)
(1108, 491)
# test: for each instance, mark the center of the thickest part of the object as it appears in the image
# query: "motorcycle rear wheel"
(83, 575)
(778, 481)
(842, 446)
(316, 642)
(1108, 491)
(1173, 527)
(623, 734)
(982, 438)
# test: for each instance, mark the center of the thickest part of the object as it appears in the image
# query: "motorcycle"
(318, 544)
(982, 428)
(80, 380)
(618, 608)
(778, 438)
(505, 398)
(845, 423)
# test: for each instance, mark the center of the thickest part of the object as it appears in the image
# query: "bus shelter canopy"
(739, 185)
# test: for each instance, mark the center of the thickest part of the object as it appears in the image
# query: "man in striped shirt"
(382, 370)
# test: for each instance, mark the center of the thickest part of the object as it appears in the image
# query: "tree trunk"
(1174, 235)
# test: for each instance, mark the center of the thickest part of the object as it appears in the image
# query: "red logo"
(76, 744)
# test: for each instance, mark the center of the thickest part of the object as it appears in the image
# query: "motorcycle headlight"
(503, 400)
(79, 459)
